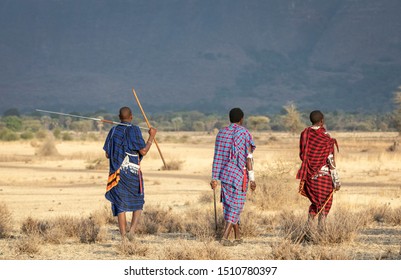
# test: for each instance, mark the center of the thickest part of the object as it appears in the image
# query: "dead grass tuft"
(342, 226)
(173, 165)
(5, 221)
(276, 190)
(287, 250)
(158, 220)
(98, 164)
(28, 244)
(206, 197)
(103, 216)
(386, 214)
(48, 147)
(33, 226)
(187, 250)
(89, 231)
(134, 248)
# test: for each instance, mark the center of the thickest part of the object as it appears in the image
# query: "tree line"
(14, 126)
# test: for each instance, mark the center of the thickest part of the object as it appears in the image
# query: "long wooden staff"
(215, 210)
(149, 126)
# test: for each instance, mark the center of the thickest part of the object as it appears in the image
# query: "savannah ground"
(53, 205)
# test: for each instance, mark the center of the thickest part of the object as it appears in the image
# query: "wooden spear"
(149, 126)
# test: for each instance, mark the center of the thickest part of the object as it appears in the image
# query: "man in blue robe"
(125, 148)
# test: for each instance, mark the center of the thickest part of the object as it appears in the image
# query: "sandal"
(238, 241)
(226, 242)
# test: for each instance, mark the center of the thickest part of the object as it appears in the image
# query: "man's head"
(125, 114)
(236, 115)
(316, 117)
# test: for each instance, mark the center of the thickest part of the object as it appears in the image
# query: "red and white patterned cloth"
(315, 147)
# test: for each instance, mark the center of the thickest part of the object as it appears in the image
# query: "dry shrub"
(385, 214)
(286, 250)
(55, 231)
(379, 213)
(390, 254)
(98, 164)
(103, 216)
(88, 231)
(173, 165)
(133, 248)
(158, 220)
(5, 221)
(205, 198)
(186, 250)
(68, 225)
(276, 190)
(58, 230)
(33, 226)
(253, 223)
(342, 226)
(28, 244)
(394, 217)
(48, 147)
(201, 224)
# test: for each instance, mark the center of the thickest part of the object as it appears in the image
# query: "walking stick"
(215, 210)
(149, 126)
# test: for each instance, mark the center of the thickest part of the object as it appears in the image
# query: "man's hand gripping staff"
(249, 167)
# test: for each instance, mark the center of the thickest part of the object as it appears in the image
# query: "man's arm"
(249, 167)
(216, 166)
(152, 134)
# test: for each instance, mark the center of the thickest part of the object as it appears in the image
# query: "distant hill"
(200, 55)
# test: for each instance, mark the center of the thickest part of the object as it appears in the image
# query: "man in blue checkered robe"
(125, 147)
(232, 165)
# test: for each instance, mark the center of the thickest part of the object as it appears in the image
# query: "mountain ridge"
(200, 55)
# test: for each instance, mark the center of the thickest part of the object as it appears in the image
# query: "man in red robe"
(318, 175)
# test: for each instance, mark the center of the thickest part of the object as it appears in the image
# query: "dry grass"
(86, 230)
(90, 232)
(156, 219)
(205, 198)
(185, 250)
(386, 214)
(30, 245)
(276, 189)
(104, 216)
(340, 227)
(5, 221)
(98, 164)
(173, 165)
(134, 248)
(48, 148)
(286, 250)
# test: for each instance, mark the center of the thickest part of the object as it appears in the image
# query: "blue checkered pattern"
(233, 200)
(126, 195)
(231, 151)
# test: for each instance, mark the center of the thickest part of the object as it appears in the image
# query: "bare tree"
(292, 118)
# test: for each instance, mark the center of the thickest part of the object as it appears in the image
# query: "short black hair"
(316, 116)
(236, 115)
(125, 113)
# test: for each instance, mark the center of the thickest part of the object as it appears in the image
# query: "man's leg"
(122, 223)
(135, 220)
(322, 221)
(227, 230)
(237, 234)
